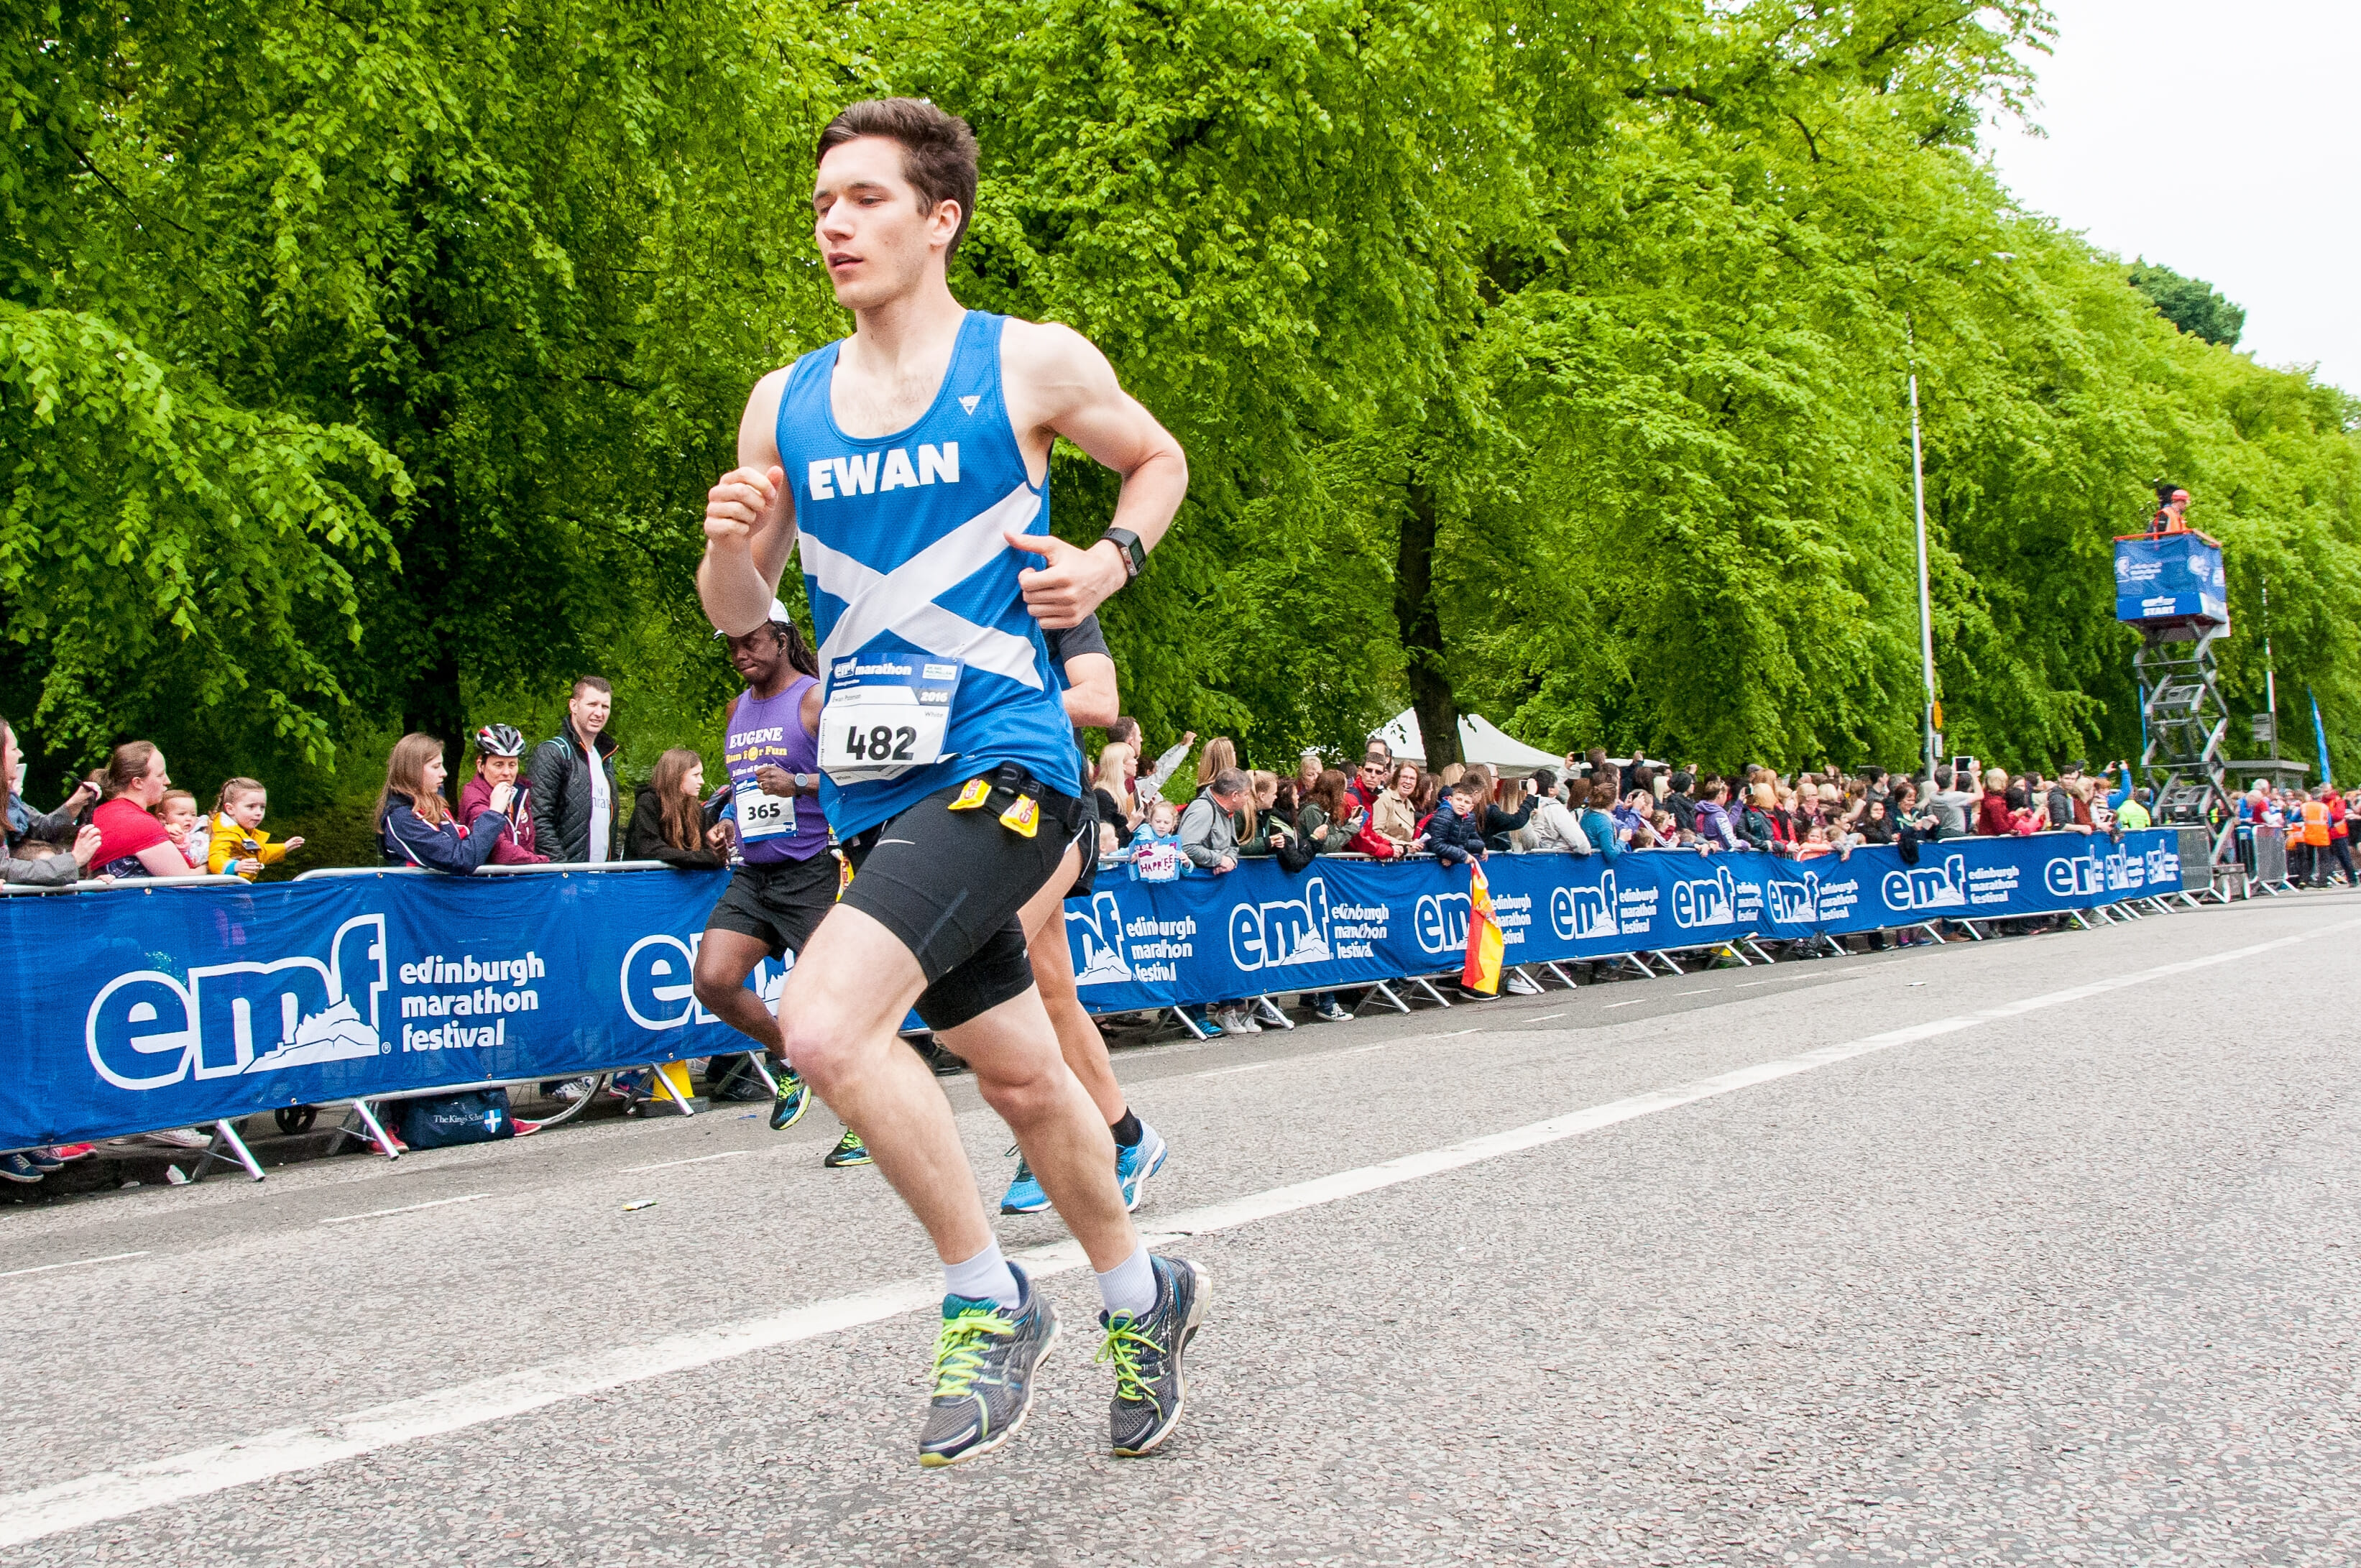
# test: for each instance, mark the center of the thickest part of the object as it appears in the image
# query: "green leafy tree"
(2193, 305)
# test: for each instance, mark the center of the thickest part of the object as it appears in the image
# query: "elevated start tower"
(2171, 586)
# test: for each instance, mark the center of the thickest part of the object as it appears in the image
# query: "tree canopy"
(1548, 359)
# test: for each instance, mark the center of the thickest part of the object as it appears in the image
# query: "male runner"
(911, 461)
(788, 879)
(1086, 667)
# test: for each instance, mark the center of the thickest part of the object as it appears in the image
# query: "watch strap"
(1127, 546)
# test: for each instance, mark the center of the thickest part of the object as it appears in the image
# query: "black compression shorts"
(778, 904)
(1086, 834)
(949, 884)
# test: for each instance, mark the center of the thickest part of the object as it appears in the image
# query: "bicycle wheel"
(550, 1101)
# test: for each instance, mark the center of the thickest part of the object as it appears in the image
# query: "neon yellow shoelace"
(959, 1349)
(1123, 1346)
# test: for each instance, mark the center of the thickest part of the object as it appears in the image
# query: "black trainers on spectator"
(1148, 1388)
(849, 1150)
(788, 1106)
(986, 1359)
(17, 1168)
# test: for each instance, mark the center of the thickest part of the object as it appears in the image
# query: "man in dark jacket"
(574, 803)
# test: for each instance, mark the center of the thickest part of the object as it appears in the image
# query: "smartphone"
(1962, 768)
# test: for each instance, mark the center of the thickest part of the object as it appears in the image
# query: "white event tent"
(1480, 741)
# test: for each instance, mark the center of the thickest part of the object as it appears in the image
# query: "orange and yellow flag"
(1482, 972)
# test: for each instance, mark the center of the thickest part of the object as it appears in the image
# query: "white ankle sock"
(983, 1277)
(1130, 1286)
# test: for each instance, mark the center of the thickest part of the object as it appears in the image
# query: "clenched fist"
(739, 500)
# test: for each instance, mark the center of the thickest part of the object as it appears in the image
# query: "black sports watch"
(1127, 546)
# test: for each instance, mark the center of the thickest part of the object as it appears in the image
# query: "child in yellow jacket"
(239, 842)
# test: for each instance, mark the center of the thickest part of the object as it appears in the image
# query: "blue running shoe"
(787, 1107)
(984, 1361)
(850, 1150)
(1148, 1388)
(1025, 1195)
(1135, 1164)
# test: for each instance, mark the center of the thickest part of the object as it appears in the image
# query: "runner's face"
(756, 655)
(874, 232)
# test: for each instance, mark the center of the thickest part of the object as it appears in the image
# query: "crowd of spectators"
(562, 804)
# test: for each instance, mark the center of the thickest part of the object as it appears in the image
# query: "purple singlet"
(771, 827)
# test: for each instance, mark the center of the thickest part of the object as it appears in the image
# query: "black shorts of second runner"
(949, 885)
(778, 904)
(1086, 834)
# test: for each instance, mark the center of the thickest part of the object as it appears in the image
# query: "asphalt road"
(2039, 1250)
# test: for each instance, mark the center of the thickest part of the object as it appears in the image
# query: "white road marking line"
(1700, 991)
(1541, 1017)
(115, 1494)
(77, 1262)
(668, 1164)
(1633, 1002)
(1250, 1067)
(405, 1209)
(1454, 1034)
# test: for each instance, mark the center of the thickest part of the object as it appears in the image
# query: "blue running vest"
(902, 554)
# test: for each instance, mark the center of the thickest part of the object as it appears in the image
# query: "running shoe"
(523, 1128)
(1135, 1164)
(849, 1150)
(179, 1138)
(17, 1168)
(42, 1160)
(1148, 1388)
(985, 1358)
(1516, 984)
(1331, 1012)
(74, 1151)
(787, 1107)
(570, 1091)
(1025, 1195)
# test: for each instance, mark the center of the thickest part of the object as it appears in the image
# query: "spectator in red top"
(1992, 811)
(131, 842)
(1367, 789)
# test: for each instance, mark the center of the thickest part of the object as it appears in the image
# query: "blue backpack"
(478, 1116)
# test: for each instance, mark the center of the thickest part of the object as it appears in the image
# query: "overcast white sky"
(2217, 137)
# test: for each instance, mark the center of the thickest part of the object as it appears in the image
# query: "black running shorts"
(1086, 833)
(779, 903)
(949, 884)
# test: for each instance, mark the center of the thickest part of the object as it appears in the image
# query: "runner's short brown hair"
(937, 150)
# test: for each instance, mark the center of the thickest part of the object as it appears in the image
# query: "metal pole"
(2270, 674)
(1926, 610)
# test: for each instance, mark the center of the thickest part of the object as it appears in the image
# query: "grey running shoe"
(984, 1361)
(1148, 1388)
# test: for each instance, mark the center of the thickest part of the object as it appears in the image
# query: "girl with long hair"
(415, 827)
(668, 816)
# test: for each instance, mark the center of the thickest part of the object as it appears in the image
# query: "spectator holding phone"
(415, 827)
(32, 855)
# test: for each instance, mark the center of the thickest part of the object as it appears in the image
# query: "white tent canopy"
(1480, 741)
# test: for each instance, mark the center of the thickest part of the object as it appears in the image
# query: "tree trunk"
(1420, 629)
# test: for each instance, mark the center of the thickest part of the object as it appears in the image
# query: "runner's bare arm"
(1058, 383)
(750, 520)
(1093, 698)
